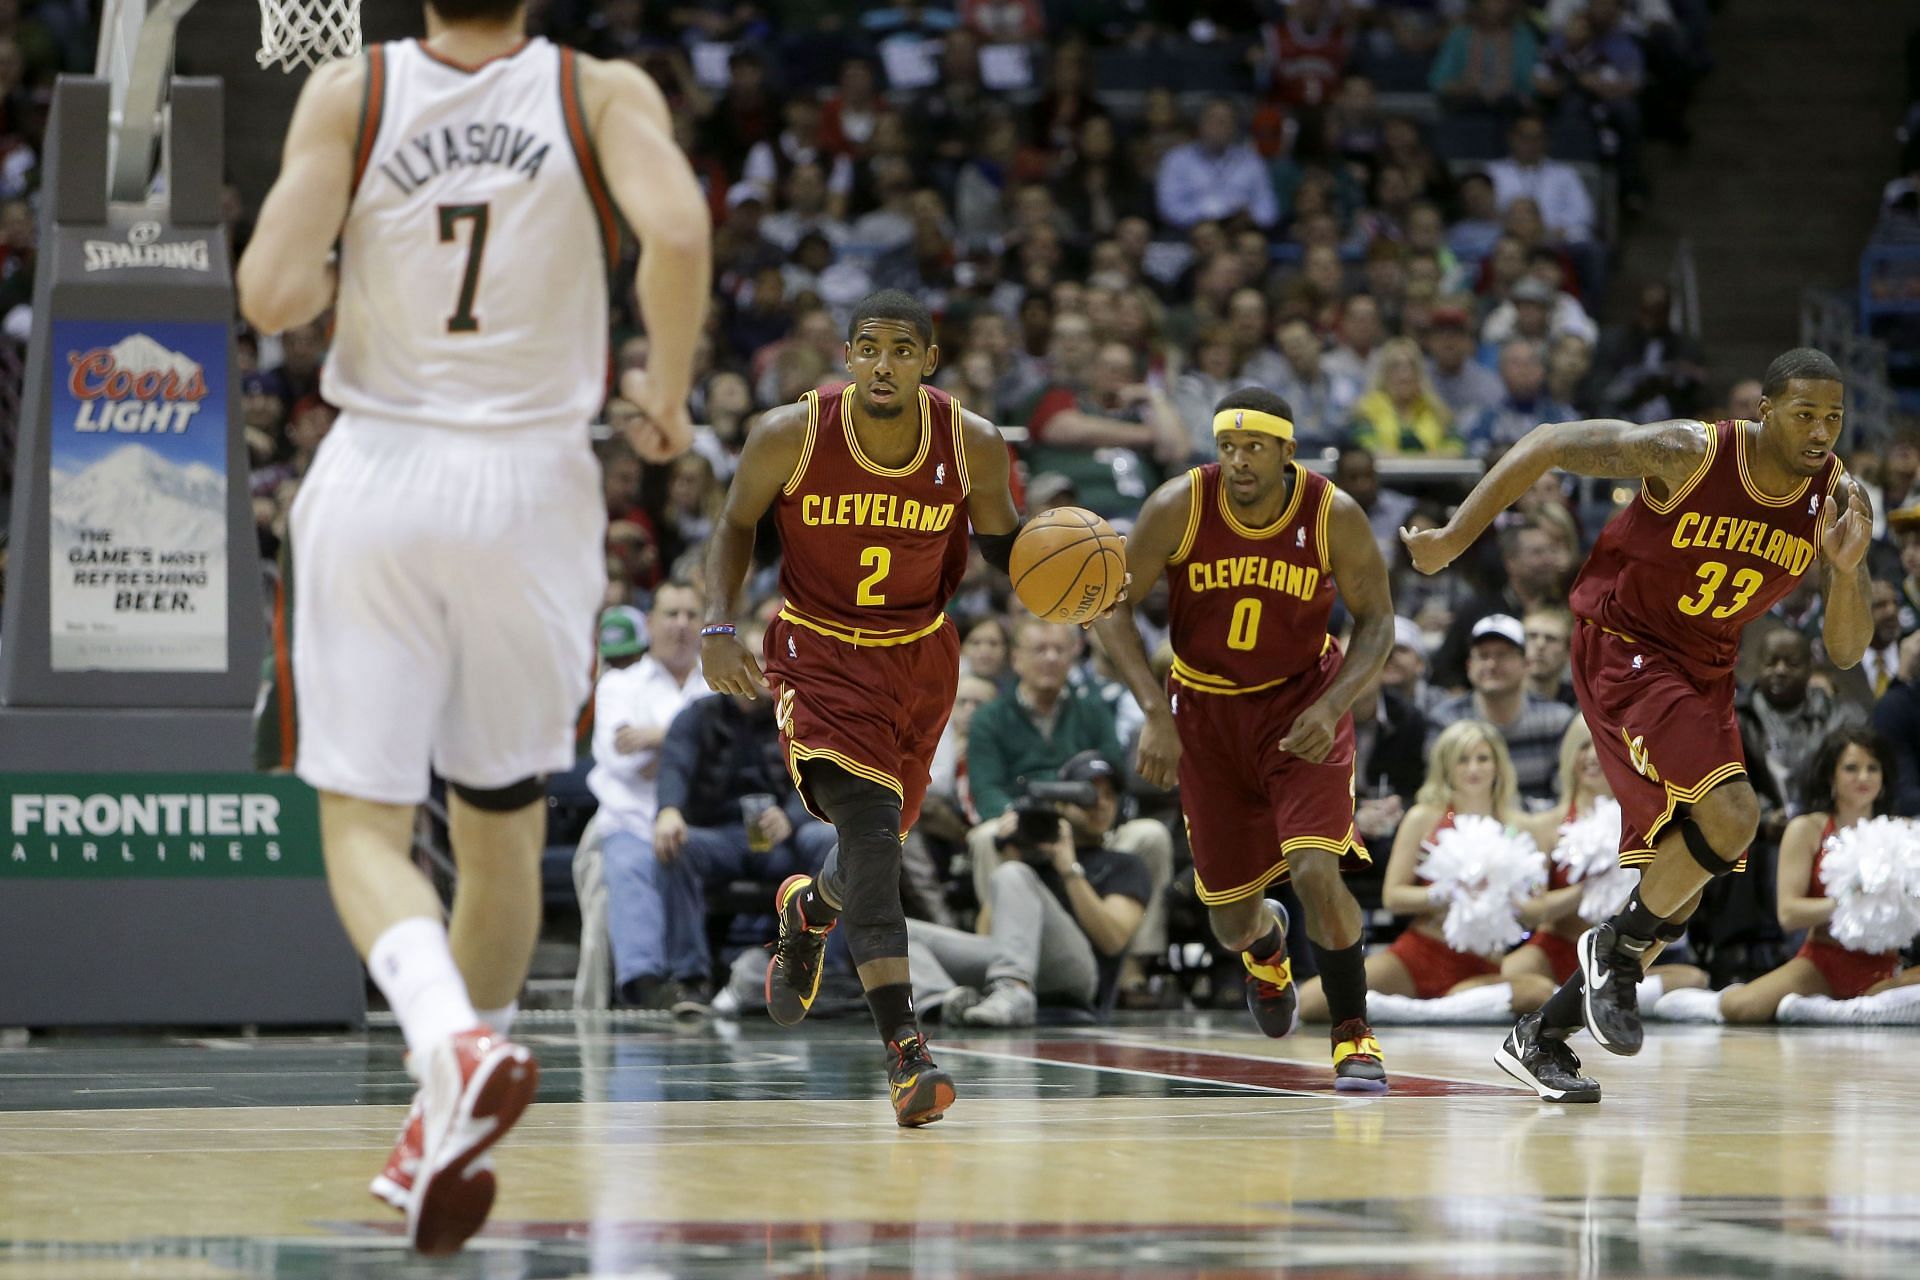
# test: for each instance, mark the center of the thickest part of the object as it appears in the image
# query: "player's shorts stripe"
(862, 638)
(1193, 519)
(1676, 795)
(283, 668)
(573, 108)
(798, 755)
(373, 98)
(1674, 499)
(812, 401)
(960, 449)
(1280, 870)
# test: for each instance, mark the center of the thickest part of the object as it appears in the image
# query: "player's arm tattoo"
(1668, 451)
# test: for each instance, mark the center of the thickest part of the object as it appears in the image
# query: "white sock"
(1489, 1004)
(1688, 1004)
(1651, 988)
(501, 1020)
(413, 965)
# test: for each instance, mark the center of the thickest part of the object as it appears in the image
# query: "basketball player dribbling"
(449, 536)
(1729, 516)
(1254, 723)
(872, 488)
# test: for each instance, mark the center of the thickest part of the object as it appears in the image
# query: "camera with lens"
(1038, 810)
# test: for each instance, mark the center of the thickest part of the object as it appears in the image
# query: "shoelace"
(1561, 1054)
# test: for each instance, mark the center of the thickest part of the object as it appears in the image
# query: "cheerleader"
(1468, 773)
(1554, 916)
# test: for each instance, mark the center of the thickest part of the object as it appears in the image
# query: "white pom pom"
(1589, 849)
(1872, 872)
(1483, 871)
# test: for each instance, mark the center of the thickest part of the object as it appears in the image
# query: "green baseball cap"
(623, 632)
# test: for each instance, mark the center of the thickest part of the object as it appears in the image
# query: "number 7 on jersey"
(463, 320)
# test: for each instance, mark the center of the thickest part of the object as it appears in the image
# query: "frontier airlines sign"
(88, 826)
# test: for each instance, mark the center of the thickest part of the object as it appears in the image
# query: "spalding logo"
(134, 386)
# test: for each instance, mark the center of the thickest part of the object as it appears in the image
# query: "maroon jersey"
(1249, 607)
(1688, 573)
(872, 554)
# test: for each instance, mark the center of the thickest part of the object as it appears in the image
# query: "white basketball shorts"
(446, 584)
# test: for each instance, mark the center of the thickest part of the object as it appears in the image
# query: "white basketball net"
(296, 33)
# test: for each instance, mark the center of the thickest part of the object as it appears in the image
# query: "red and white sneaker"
(473, 1088)
(394, 1184)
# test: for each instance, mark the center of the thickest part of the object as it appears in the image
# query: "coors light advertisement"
(139, 497)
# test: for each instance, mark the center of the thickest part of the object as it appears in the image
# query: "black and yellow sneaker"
(921, 1091)
(1271, 994)
(793, 975)
(1358, 1064)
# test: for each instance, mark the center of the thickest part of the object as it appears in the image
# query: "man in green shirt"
(1026, 735)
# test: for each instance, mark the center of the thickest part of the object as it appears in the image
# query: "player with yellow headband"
(1253, 722)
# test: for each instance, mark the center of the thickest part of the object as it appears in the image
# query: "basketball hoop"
(297, 33)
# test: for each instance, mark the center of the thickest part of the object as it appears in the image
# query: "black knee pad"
(515, 795)
(1704, 853)
(866, 817)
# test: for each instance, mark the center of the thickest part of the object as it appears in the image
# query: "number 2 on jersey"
(1245, 627)
(880, 560)
(1712, 574)
(463, 320)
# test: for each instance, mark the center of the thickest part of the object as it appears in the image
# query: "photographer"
(1063, 907)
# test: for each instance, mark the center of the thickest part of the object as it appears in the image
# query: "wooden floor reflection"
(1186, 1148)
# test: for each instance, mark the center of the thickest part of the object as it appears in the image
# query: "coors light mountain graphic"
(143, 500)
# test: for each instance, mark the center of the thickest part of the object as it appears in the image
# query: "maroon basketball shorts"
(1663, 737)
(875, 710)
(1247, 803)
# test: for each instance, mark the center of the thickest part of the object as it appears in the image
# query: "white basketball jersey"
(473, 264)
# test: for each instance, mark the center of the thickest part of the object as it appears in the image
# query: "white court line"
(155, 1088)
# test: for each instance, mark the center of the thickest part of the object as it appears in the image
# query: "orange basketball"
(1068, 565)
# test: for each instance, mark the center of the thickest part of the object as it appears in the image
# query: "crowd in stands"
(1397, 214)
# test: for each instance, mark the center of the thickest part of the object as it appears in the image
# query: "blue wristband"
(717, 629)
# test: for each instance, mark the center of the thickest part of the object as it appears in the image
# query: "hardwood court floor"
(1185, 1147)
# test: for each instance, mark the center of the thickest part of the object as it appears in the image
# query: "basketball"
(1068, 565)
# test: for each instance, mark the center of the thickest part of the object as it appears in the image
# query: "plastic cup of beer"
(753, 810)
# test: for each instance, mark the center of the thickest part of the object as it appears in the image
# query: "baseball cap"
(623, 632)
(1906, 518)
(1503, 626)
(1448, 318)
(741, 192)
(1531, 290)
(1407, 635)
(1088, 766)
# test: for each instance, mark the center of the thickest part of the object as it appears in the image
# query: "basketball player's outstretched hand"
(664, 429)
(1430, 549)
(1311, 736)
(1157, 759)
(1844, 538)
(729, 667)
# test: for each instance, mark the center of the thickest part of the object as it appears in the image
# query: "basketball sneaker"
(393, 1184)
(921, 1091)
(1544, 1063)
(1271, 994)
(1359, 1066)
(473, 1087)
(793, 975)
(1610, 998)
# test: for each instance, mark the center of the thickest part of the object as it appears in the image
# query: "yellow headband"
(1268, 424)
